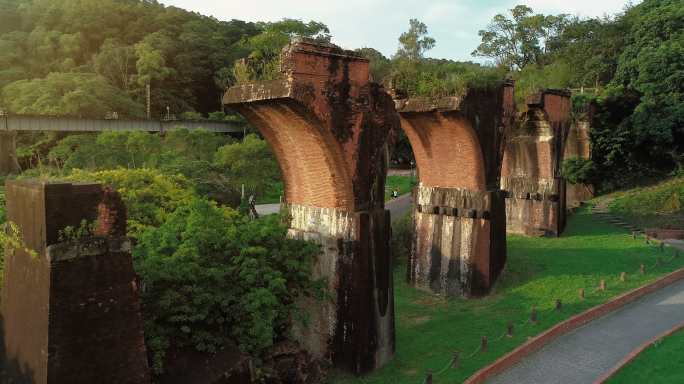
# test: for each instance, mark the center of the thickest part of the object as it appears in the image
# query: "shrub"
(578, 171)
(149, 195)
(211, 276)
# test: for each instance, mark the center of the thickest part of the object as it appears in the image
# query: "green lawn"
(663, 362)
(539, 271)
(403, 184)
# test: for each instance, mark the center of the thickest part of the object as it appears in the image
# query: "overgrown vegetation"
(632, 64)
(212, 276)
(213, 165)
(88, 58)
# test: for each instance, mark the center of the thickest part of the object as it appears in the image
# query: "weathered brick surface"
(71, 314)
(459, 246)
(328, 126)
(578, 144)
(531, 172)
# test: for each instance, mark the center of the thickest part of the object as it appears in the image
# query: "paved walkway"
(398, 207)
(585, 354)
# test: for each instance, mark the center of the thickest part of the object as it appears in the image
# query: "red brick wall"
(71, 314)
(447, 150)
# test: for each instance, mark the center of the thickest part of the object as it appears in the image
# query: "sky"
(378, 23)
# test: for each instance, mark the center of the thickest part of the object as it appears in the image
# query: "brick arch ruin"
(531, 173)
(328, 126)
(459, 247)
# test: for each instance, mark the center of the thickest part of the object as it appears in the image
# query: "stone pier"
(578, 144)
(71, 312)
(531, 172)
(328, 126)
(459, 246)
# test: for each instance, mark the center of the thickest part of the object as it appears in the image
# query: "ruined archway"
(531, 172)
(578, 145)
(459, 246)
(328, 127)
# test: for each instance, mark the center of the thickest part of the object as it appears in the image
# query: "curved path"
(584, 355)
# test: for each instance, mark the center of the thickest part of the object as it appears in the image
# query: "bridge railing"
(74, 124)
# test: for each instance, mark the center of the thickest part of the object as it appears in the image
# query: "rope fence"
(457, 358)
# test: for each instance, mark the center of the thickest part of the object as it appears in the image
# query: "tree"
(652, 64)
(380, 66)
(68, 94)
(115, 62)
(212, 276)
(263, 62)
(415, 42)
(250, 163)
(520, 40)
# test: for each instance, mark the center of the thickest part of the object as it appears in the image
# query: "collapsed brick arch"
(328, 126)
(531, 172)
(459, 247)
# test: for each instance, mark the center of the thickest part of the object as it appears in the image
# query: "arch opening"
(447, 150)
(312, 164)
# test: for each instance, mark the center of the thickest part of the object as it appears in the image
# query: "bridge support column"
(578, 145)
(531, 173)
(71, 313)
(459, 247)
(328, 126)
(8, 153)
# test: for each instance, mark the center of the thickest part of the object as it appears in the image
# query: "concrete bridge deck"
(22, 123)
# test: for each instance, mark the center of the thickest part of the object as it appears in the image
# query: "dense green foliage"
(410, 72)
(213, 165)
(263, 62)
(150, 196)
(538, 271)
(633, 63)
(578, 171)
(87, 58)
(250, 163)
(211, 276)
(521, 40)
(663, 360)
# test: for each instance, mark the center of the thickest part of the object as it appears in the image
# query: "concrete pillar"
(8, 153)
(71, 313)
(531, 173)
(459, 246)
(328, 126)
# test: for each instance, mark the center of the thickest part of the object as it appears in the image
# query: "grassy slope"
(663, 360)
(539, 270)
(658, 205)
